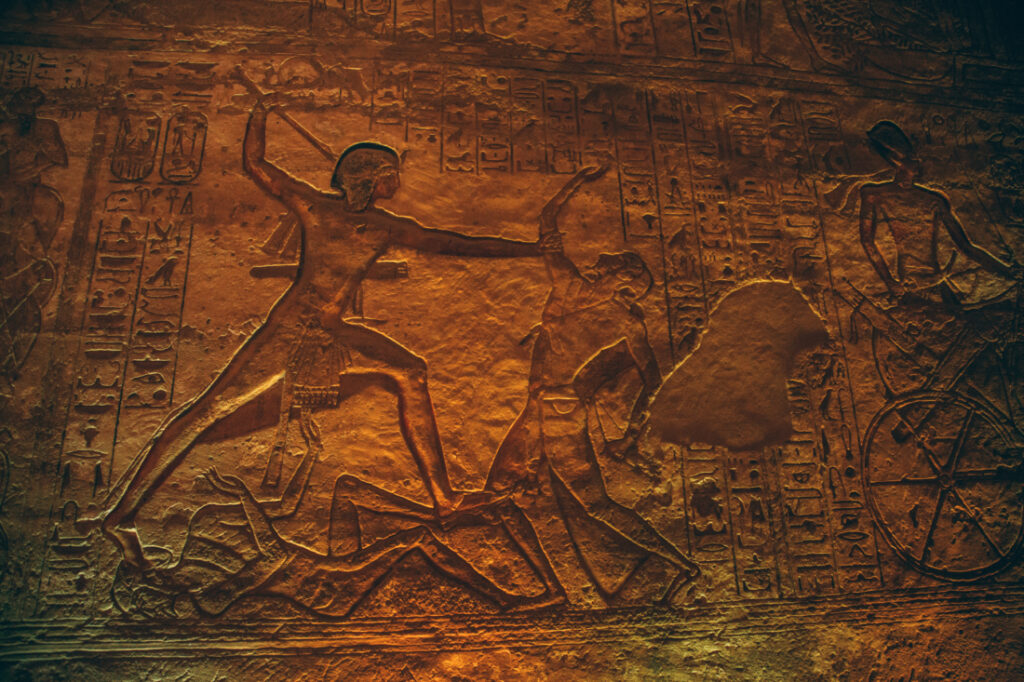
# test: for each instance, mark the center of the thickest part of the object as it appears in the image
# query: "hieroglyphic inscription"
(127, 355)
(719, 181)
(23, 68)
(739, 278)
(494, 127)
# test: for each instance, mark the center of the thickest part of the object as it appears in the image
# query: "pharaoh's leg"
(250, 385)
(518, 459)
(395, 368)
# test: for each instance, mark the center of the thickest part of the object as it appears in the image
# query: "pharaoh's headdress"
(358, 168)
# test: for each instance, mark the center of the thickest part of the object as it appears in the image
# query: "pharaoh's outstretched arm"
(409, 233)
(273, 180)
(868, 232)
(968, 247)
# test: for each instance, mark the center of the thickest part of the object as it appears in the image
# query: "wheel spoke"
(908, 354)
(932, 460)
(981, 529)
(993, 475)
(926, 550)
(958, 444)
(906, 480)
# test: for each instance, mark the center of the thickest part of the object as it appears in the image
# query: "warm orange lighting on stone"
(479, 339)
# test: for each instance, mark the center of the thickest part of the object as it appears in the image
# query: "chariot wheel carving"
(943, 478)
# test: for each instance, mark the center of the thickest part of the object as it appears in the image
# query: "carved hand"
(310, 430)
(330, 316)
(550, 242)
(592, 173)
(229, 485)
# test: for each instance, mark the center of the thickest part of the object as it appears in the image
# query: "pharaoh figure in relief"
(591, 362)
(307, 347)
(544, 510)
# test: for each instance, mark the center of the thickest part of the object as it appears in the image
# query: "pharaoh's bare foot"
(686, 574)
(127, 540)
(88, 524)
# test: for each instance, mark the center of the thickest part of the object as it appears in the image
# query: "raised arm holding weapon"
(306, 348)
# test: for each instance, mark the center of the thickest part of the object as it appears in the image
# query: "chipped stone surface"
(477, 339)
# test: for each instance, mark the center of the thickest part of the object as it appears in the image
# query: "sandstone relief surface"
(479, 339)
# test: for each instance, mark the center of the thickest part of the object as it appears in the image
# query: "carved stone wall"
(480, 339)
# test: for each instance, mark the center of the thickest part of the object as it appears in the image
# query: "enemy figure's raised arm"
(561, 270)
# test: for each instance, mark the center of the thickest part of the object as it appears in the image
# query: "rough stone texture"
(632, 339)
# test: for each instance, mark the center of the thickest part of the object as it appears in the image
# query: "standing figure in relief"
(592, 334)
(934, 310)
(306, 349)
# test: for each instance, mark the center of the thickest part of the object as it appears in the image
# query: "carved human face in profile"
(890, 142)
(387, 182)
(366, 171)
